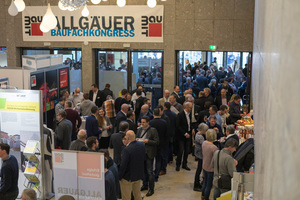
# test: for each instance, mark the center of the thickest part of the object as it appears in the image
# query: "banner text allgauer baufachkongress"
(104, 24)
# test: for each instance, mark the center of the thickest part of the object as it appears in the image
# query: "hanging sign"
(104, 24)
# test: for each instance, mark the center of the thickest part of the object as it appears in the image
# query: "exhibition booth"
(76, 174)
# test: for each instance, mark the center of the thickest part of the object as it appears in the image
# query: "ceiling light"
(85, 12)
(20, 5)
(49, 20)
(151, 3)
(121, 3)
(96, 1)
(13, 10)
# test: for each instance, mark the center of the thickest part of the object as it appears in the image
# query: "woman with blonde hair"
(106, 127)
(208, 149)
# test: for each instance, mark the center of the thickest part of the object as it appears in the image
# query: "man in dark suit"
(132, 167)
(207, 94)
(235, 109)
(184, 135)
(149, 137)
(63, 131)
(74, 117)
(200, 100)
(162, 151)
(194, 113)
(222, 99)
(121, 115)
(116, 142)
(120, 100)
(202, 81)
(107, 91)
(172, 118)
(96, 96)
(91, 124)
(176, 92)
(130, 121)
(204, 114)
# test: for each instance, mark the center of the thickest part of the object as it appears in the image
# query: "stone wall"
(188, 25)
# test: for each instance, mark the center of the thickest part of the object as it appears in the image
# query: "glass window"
(245, 58)
(113, 70)
(234, 60)
(3, 57)
(147, 69)
(217, 59)
(192, 56)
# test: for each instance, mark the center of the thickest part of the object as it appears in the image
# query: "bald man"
(121, 115)
(79, 144)
(184, 135)
(76, 98)
(132, 167)
(144, 112)
(162, 101)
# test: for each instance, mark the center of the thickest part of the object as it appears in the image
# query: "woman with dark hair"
(106, 127)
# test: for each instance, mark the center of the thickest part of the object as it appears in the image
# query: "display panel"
(20, 121)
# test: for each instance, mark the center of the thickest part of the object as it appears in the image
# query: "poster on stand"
(20, 121)
(63, 80)
(79, 174)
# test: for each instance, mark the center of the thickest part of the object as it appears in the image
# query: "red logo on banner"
(155, 29)
(35, 29)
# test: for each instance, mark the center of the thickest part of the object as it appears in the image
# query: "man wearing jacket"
(63, 131)
(91, 124)
(149, 137)
(132, 167)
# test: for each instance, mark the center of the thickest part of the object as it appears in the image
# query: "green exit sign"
(212, 47)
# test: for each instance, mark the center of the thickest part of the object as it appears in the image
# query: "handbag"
(224, 181)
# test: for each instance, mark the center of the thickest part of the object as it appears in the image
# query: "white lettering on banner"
(105, 24)
(82, 193)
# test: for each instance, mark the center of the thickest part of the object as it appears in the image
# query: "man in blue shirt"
(9, 174)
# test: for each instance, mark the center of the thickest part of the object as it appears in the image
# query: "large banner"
(79, 174)
(104, 24)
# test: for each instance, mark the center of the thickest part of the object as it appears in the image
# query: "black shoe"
(197, 189)
(150, 193)
(186, 168)
(177, 168)
(144, 188)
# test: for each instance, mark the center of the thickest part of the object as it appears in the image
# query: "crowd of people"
(146, 139)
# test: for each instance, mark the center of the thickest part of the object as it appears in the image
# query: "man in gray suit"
(63, 131)
(149, 137)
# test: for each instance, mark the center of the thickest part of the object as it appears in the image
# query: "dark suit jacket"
(201, 116)
(118, 103)
(132, 126)
(148, 114)
(132, 164)
(200, 102)
(182, 126)
(210, 98)
(202, 82)
(120, 117)
(162, 129)
(91, 127)
(220, 134)
(153, 141)
(117, 144)
(234, 111)
(176, 95)
(106, 92)
(63, 134)
(99, 99)
(196, 114)
(218, 100)
(172, 117)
